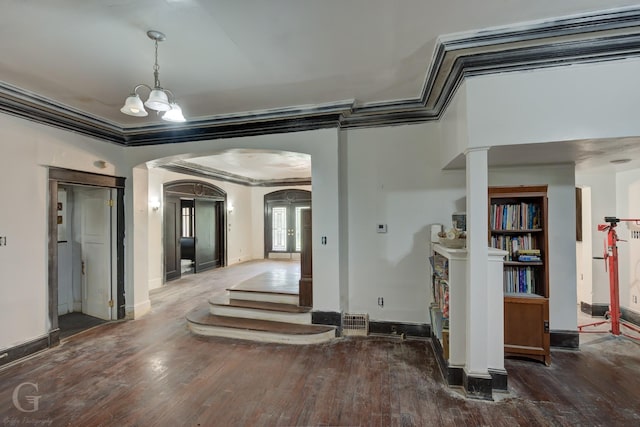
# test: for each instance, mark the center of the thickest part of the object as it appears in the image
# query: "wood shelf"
(526, 314)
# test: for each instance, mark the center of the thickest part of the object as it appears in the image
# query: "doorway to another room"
(194, 228)
(283, 223)
(87, 229)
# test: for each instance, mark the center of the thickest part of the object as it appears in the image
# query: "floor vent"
(355, 324)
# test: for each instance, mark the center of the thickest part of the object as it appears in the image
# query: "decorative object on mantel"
(453, 238)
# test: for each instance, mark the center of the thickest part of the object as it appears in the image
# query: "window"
(279, 228)
(187, 221)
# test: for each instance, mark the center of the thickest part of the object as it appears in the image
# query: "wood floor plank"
(153, 371)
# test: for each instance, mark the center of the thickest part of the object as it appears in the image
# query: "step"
(202, 322)
(264, 296)
(222, 305)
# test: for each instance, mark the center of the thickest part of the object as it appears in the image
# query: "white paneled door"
(94, 223)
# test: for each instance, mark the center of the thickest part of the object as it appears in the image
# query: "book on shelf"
(523, 244)
(534, 252)
(519, 216)
(529, 258)
(519, 280)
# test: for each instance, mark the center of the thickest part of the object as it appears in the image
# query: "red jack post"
(611, 264)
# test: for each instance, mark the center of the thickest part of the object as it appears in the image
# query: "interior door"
(207, 245)
(305, 288)
(94, 210)
(171, 218)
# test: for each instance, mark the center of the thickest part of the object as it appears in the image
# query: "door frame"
(195, 189)
(281, 197)
(59, 176)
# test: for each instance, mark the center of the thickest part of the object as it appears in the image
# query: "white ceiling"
(225, 57)
(259, 165)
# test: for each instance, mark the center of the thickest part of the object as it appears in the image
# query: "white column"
(477, 267)
(137, 243)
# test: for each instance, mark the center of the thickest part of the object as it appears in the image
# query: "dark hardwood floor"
(154, 372)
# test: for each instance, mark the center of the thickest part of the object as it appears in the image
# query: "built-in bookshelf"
(518, 225)
(448, 283)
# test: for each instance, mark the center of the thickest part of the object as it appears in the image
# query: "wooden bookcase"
(518, 224)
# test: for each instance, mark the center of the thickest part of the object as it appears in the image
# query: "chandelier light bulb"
(174, 114)
(133, 106)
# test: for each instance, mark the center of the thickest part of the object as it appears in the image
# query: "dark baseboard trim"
(477, 387)
(26, 349)
(596, 310)
(394, 328)
(451, 374)
(331, 318)
(499, 379)
(630, 316)
(565, 339)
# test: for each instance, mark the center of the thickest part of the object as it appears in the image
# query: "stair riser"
(250, 313)
(245, 334)
(264, 297)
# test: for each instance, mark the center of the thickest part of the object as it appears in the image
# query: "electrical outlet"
(381, 301)
(635, 299)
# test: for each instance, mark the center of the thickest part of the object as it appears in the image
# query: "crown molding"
(189, 168)
(600, 36)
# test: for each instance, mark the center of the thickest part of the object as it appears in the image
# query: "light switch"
(382, 228)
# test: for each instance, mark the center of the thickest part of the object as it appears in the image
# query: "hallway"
(153, 372)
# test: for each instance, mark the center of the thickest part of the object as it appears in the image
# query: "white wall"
(555, 104)
(453, 128)
(561, 234)
(394, 178)
(628, 206)
(602, 186)
(27, 150)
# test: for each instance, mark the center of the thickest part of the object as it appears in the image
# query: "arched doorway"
(283, 222)
(194, 233)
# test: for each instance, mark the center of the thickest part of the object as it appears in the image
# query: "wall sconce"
(154, 204)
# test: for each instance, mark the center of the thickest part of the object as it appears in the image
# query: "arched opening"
(283, 222)
(194, 232)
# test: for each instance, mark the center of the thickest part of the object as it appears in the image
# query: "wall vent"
(634, 227)
(355, 324)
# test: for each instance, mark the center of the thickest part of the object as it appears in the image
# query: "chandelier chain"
(156, 67)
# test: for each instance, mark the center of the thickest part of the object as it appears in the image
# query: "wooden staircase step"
(262, 305)
(263, 296)
(202, 322)
(262, 291)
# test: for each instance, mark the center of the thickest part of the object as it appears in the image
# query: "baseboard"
(421, 330)
(499, 379)
(595, 310)
(138, 310)
(451, 374)
(476, 387)
(26, 349)
(630, 316)
(565, 339)
(331, 318)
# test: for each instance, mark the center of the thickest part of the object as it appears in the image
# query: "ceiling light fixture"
(160, 99)
(619, 161)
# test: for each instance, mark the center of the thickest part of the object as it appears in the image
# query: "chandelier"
(160, 99)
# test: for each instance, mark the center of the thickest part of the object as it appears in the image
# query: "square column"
(476, 378)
